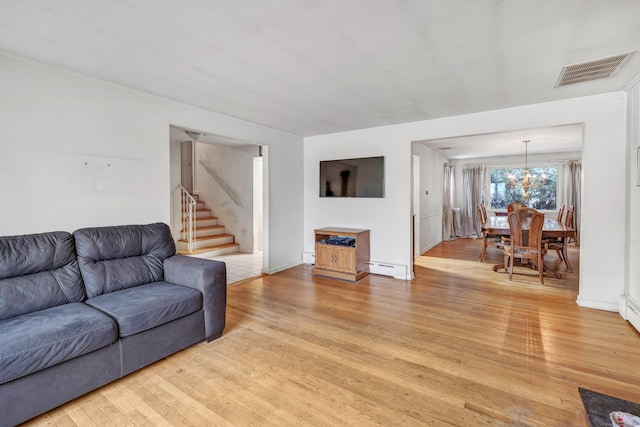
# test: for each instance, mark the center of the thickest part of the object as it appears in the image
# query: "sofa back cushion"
(121, 257)
(38, 271)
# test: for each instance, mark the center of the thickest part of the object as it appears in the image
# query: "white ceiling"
(312, 67)
(558, 139)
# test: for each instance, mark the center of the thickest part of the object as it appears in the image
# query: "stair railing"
(188, 218)
(232, 194)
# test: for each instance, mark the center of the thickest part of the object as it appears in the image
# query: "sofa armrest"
(210, 278)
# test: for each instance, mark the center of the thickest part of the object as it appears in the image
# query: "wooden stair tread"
(202, 209)
(206, 227)
(215, 236)
(212, 233)
(210, 227)
(210, 248)
(202, 218)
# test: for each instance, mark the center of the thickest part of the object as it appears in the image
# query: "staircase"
(210, 237)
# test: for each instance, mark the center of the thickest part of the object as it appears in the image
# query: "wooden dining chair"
(515, 205)
(557, 244)
(481, 214)
(568, 220)
(533, 248)
(487, 239)
(560, 213)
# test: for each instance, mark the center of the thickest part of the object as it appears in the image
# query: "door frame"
(187, 175)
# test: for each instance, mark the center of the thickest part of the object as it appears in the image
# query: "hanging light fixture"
(528, 180)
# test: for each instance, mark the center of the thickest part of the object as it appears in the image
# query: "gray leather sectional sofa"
(80, 310)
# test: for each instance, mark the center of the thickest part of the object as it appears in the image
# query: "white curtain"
(472, 185)
(572, 182)
(448, 232)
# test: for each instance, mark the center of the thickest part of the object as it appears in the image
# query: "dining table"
(552, 228)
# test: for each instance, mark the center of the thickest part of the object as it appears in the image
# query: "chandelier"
(527, 181)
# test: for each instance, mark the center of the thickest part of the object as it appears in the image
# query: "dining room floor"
(469, 250)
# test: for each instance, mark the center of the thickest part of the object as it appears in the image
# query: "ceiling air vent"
(593, 70)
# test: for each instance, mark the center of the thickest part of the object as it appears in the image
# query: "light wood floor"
(459, 345)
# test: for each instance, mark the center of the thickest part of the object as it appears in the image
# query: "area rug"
(598, 407)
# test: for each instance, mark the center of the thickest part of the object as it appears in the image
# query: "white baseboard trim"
(282, 268)
(600, 305)
(428, 248)
(375, 267)
(630, 311)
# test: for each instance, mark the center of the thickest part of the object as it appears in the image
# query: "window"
(506, 187)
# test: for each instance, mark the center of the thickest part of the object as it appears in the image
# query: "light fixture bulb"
(528, 180)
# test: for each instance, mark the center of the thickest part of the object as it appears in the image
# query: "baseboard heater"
(386, 269)
(394, 270)
(631, 313)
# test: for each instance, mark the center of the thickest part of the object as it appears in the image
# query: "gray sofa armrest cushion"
(210, 278)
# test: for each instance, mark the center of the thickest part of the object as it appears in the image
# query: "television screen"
(363, 177)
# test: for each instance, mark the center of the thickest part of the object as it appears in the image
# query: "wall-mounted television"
(362, 177)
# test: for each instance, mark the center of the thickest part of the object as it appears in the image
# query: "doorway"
(230, 176)
(186, 165)
(416, 207)
(258, 197)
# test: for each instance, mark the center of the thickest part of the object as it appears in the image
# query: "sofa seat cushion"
(35, 341)
(147, 306)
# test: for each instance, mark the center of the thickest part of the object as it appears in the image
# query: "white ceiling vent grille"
(593, 70)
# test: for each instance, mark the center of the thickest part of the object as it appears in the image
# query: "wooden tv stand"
(342, 262)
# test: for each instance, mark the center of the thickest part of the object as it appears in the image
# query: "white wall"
(633, 218)
(602, 252)
(230, 193)
(388, 218)
(432, 181)
(77, 152)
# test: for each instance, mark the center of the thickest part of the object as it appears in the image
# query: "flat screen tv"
(363, 177)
